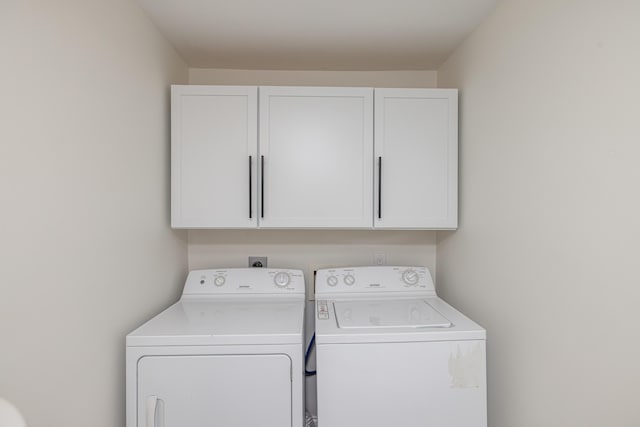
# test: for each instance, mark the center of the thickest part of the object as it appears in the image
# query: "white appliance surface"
(229, 352)
(413, 313)
(214, 322)
(390, 352)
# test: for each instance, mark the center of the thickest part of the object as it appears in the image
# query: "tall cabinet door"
(214, 156)
(416, 158)
(316, 147)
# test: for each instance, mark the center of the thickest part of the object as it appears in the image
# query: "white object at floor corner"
(230, 328)
(9, 415)
(416, 358)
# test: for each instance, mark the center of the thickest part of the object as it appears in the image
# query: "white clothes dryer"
(229, 353)
(390, 352)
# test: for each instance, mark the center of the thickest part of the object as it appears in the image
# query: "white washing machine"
(390, 352)
(228, 353)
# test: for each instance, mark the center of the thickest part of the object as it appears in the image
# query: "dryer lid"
(404, 313)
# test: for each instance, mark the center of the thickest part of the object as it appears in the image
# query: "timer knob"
(219, 280)
(349, 280)
(332, 280)
(281, 279)
(410, 277)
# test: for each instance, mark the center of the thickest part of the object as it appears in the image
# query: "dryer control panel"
(378, 279)
(242, 281)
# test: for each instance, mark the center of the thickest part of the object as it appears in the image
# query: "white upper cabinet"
(214, 156)
(316, 156)
(312, 157)
(416, 159)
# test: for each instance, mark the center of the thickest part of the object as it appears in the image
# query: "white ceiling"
(316, 35)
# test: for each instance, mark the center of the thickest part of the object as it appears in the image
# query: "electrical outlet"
(258, 261)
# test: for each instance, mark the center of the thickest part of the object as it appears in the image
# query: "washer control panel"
(244, 281)
(374, 279)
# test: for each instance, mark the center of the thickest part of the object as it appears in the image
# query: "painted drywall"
(310, 250)
(546, 255)
(314, 78)
(86, 252)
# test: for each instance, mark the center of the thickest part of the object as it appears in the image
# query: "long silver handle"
(380, 187)
(250, 187)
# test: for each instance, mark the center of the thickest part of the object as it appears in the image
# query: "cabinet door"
(213, 156)
(214, 390)
(416, 159)
(316, 148)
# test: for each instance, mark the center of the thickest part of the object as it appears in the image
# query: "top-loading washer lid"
(412, 313)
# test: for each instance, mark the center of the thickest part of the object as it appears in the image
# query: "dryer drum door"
(214, 390)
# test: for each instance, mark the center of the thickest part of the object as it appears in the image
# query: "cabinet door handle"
(262, 186)
(380, 187)
(250, 187)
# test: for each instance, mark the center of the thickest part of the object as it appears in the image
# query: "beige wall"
(314, 78)
(546, 256)
(86, 252)
(311, 249)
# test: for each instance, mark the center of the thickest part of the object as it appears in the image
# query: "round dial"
(281, 279)
(410, 277)
(349, 280)
(332, 280)
(219, 280)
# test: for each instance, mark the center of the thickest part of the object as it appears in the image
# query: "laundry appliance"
(390, 352)
(228, 353)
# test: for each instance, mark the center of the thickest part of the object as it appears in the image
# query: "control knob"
(410, 277)
(281, 279)
(219, 280)
(349, 280)
(332, 280)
